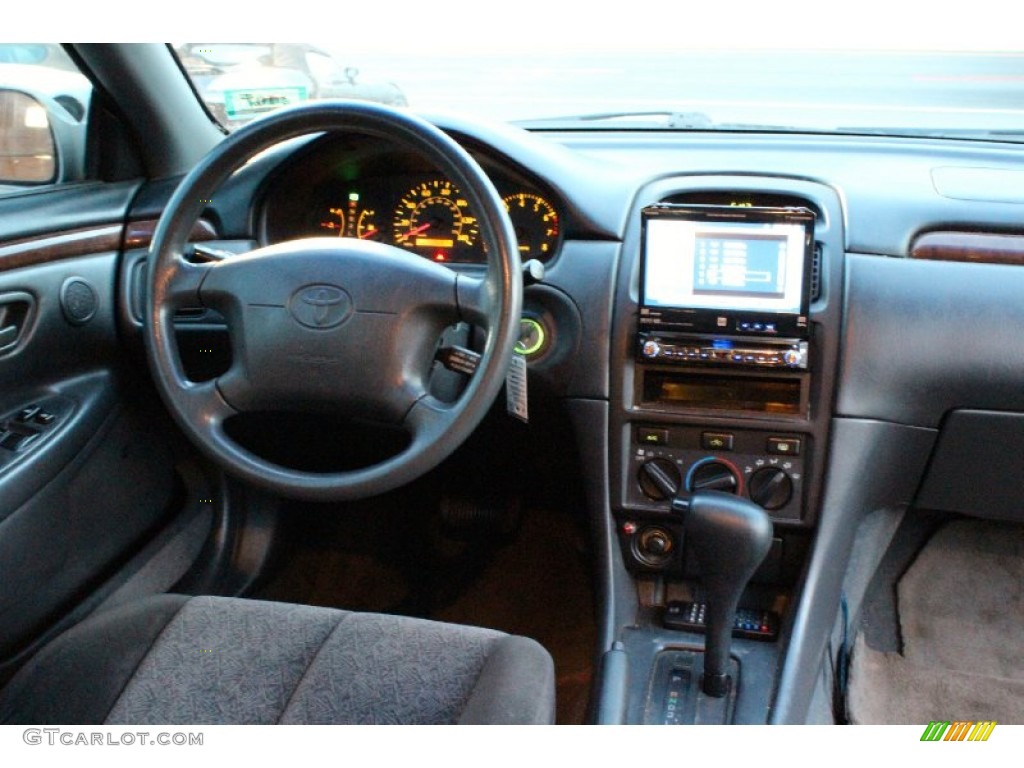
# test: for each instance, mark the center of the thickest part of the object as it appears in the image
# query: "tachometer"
(434, 218)
(535, 222)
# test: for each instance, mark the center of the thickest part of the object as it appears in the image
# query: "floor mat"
(539, 587)
(961, 609)
(388, 560)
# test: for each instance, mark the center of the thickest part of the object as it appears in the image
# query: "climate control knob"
(659, 479)
(770, 488)
(713, 476)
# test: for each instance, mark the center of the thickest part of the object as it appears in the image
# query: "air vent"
(190, 313)
(138, 301)
(816, 265)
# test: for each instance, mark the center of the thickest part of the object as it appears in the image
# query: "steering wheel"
(332, 324)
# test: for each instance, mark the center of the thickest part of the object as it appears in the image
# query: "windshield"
(651, 70)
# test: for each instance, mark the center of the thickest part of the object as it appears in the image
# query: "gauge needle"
(368, 233)
(417, 230)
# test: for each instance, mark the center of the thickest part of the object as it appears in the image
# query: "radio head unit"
(726, 270)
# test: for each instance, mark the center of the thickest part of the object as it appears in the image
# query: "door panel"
(87, 471)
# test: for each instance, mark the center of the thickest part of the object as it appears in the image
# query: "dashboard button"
(29, 413)
(648, 436)
(716, 441)
(784, 446)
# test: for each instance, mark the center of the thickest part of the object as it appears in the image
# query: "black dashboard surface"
(892, 188)
(580, 189)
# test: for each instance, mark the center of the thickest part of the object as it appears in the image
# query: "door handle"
(15, 310)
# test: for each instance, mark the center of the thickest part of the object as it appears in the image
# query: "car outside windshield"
(948, 76)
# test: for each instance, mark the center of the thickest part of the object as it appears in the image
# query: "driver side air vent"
(137, 301)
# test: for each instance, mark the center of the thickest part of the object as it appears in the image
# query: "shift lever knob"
(729, 536)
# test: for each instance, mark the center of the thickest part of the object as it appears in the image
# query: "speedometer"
(434, 219)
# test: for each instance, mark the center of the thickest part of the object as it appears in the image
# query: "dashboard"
(370, 189)
(862, 365)
(871, 392)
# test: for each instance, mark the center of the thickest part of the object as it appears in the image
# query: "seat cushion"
(180, 660)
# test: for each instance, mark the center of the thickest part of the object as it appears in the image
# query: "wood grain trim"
(969, 247)
(31, 251)
(87, 241)
(140, 233)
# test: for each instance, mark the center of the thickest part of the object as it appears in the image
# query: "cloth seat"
(175, 659)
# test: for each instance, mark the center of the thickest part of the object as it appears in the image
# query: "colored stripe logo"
(958, 730)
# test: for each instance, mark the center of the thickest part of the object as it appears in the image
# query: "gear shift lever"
(730, 537)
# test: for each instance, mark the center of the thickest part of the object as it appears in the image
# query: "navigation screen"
(740, 261)
(752, 265)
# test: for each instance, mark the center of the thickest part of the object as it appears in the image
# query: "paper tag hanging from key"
(515, 389)
(458, 359)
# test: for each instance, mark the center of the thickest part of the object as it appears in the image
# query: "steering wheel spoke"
(178, 286)
(428, 419)
(206, 405)
(474, 296)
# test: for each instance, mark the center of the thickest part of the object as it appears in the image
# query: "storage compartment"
(725, 392)
(978, 466)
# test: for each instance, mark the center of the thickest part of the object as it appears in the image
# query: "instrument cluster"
(358, 187)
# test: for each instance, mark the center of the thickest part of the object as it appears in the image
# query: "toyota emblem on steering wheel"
(320, 306)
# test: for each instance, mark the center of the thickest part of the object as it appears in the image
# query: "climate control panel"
(766, 467)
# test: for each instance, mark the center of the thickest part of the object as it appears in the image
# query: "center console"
(723, 358)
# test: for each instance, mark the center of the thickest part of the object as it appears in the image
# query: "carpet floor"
(961, 618)
(535, 582)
